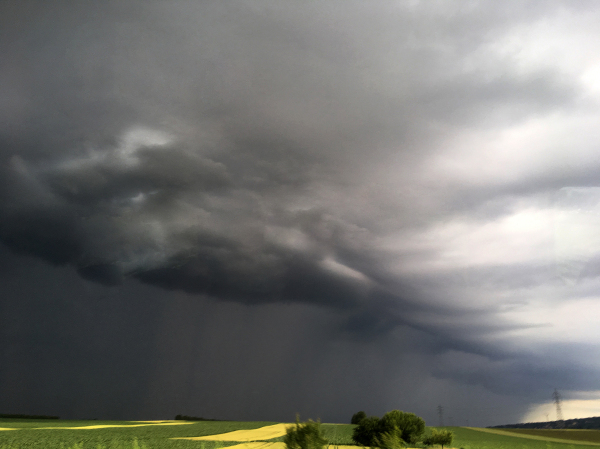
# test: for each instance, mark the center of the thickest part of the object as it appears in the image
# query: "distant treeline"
(579, 423)
(194, 418)
(4, 415)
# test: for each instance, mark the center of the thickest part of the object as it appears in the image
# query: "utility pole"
(440, 410)
(557, 400)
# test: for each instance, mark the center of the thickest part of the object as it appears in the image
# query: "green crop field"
(339, 434)
(471, 438)
(30, 435)
(585, 435)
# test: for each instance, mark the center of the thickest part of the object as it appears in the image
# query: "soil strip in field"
(533, 437)
(260, 434)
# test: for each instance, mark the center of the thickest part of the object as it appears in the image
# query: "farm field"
(339, 434)
(586, 435)
(65, 434)
(261, 434)
(481, 438)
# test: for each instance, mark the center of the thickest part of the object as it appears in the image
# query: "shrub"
(366, 432)
(306, 435)
(358, 417)
(439, 437)
(410, 426)
(390, 440)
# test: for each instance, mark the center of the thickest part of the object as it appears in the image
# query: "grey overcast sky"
(243, 210)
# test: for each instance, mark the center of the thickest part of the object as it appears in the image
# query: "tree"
(439, 437)
(366, 432)
(306, 435)
(410, 426)
(394, 429)
(358, 417)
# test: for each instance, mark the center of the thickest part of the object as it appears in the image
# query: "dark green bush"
(438, 437)
(358, 417)
(410, 426)
(366, 432)
(390, 440)
(393, 430)
(306, 435)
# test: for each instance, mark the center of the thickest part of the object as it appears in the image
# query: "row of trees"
(18, 416)
(394, 430)
(193, 418)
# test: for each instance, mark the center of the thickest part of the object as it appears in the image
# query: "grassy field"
(58, 434)
(469, 438)
(583, 435)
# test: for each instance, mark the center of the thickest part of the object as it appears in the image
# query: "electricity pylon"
(440, 410)
(557, 399)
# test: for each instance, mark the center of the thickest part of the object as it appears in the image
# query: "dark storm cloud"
(66, 342)
(242, 277)
(267, 153)
(166, 170)
(35, 222)
(536, 372)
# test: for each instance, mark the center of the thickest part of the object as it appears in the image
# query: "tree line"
(395, 430)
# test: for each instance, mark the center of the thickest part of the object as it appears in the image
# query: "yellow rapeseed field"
(262, 433)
